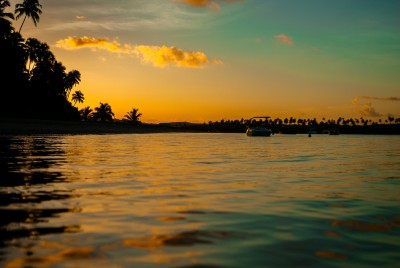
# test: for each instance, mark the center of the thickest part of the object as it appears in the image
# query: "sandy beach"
(13, 126)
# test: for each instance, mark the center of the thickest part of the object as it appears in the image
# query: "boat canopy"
(250, 121)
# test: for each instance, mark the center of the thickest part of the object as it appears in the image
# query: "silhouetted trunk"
(20, 28)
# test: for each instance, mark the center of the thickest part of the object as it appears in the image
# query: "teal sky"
(308, 58)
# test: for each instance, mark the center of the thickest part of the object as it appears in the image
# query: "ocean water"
(200, 200)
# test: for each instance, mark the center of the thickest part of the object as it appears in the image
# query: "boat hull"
(259, 132)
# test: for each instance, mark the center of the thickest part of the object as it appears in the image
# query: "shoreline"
(19, 126)
(31, 126)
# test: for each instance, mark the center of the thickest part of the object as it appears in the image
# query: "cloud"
(369, 111)
(158, 56)
(284, 39)
(72, 43)
(211, 4)
(80, 17)
(161, 56)
(357, 99)
(137, 16)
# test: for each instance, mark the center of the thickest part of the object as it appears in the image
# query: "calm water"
(200, 200)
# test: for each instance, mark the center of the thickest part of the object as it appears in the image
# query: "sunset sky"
(201, 60)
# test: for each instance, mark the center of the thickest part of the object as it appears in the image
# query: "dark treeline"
(292, 125)
(33, 82)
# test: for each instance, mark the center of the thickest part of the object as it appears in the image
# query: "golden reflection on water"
(191, 256)
(171, 219)
(176, 200)
(73, 254)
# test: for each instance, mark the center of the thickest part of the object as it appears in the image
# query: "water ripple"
(199, 200)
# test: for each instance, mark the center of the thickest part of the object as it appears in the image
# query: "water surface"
(200, 200)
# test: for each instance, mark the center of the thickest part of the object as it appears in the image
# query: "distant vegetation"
(297, 126)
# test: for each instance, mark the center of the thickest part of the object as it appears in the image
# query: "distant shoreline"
(19, 126)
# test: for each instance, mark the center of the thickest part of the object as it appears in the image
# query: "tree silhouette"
(48, 76)
(133, 116)
(78, 97)
(33, 82)
(5, 17)
(73, 78)
(3, 5)
(37, 53)
(48, 80)
(29, 8)
(103, 113)
(12, 66)
(86, 113)
(285, 121)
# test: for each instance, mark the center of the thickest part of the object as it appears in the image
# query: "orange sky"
(210, 60)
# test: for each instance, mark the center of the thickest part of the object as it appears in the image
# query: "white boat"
(258, 130)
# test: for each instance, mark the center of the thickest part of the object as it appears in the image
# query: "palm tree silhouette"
(72, 78)
(3, 5)
(103, 112)
(5, 24)
(86, 113)
(45, 72)
(37, 53)
(29, 8)
(78, 97)
(133, 116)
